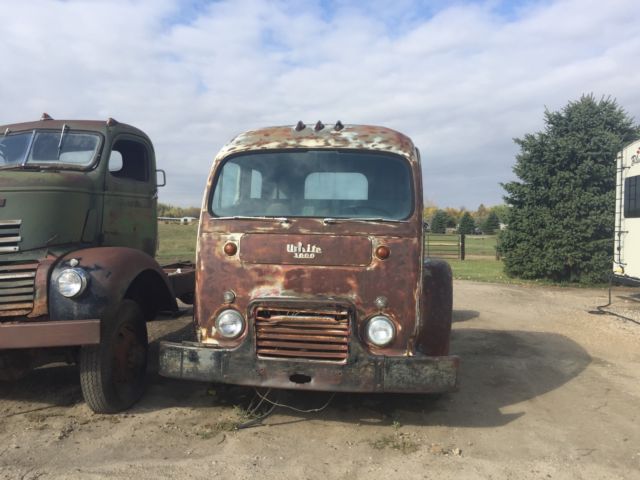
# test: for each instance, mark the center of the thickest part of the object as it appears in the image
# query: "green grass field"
(177, 242)
(484, 245)
(479, 269)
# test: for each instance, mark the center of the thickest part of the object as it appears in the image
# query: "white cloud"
(461, 80)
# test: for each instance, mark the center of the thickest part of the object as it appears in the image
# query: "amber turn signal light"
(230, 248)
(383, 252)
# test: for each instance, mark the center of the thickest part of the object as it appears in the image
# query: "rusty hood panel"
(396, 279)
(327, 250)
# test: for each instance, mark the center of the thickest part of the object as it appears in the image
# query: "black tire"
(112, 374)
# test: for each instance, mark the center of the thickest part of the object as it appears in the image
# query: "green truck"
(78, 235)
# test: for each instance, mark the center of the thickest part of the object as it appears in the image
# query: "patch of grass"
(480, 270)
(484, 245)
(490, 270)
(210, 430)
(396, 441)
(177, 242)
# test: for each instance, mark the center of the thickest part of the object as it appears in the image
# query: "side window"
(227, 192)
(632, 197)
(129, 159)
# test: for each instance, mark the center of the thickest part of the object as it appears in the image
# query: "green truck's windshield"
(43, 148)
(314, 183)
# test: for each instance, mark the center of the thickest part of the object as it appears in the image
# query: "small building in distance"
(179, 220)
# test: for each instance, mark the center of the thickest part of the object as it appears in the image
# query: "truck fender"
(114, 273)
(436, 308)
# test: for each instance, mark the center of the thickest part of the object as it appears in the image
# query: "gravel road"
(547, 390)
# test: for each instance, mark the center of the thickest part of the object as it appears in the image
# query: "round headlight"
(380, 330)
(230, 324)
(72, 282)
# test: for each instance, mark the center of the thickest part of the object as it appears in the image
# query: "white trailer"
(626, 255)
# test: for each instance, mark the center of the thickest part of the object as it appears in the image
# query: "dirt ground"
(547, 390)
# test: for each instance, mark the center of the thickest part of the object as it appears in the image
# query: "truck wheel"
(112, 373)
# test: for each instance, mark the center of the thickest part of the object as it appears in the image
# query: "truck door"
(130, 196)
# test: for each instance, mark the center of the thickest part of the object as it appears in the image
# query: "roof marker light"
(319, 126)
(111, 122)
(339, 126)
(46, 116)
(300, 126)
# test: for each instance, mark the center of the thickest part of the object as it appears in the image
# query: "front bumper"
(65, 333)
(362, 373)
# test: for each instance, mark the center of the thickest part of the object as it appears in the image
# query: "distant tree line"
(166, 210)
(485, 220)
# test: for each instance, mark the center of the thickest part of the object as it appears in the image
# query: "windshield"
(61, 148)
(315, 183)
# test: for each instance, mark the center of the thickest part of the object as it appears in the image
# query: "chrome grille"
(9, 235)
(310, 334)
(17, 288)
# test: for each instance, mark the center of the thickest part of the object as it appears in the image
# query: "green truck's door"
(130, 196)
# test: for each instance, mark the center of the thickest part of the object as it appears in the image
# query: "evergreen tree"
(562, 208)
(491, 224)
(467, 225)
(439, 221)
(502, 211)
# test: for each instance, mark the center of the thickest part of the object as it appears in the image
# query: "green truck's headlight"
(72, 282)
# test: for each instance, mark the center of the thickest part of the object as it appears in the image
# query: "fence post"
(462, 244)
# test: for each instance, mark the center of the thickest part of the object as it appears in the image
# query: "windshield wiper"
(244, 217)
(64, 129)
(30, 166)
(20, 166)
(329, 221)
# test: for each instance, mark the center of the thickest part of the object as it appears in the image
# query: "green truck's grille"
(9, 235)
(17, 288)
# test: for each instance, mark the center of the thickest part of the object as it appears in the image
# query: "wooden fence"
(454, 246)
(439, 245)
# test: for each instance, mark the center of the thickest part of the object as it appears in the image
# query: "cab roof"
(339, 136)
(47, 122)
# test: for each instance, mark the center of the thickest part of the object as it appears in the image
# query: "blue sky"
(461, 78)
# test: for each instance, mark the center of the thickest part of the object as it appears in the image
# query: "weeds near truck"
(211, 430)
(396, 441)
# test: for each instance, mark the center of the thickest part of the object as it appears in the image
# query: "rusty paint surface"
(41, 298)
(364, 373)
(359, 137)
(289, 249)
(49, 334)
(337, 271)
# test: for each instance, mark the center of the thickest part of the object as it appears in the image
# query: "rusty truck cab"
(310, 268)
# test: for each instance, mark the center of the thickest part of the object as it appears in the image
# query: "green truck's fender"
(114, 274)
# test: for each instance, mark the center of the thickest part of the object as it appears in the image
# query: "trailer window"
(632, 197)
